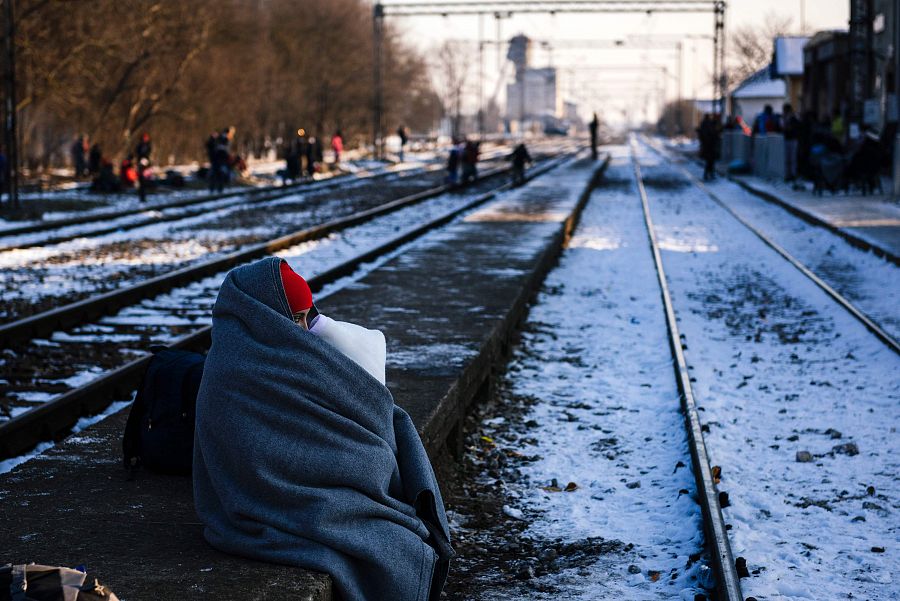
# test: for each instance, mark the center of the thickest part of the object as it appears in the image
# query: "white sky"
(591, 82)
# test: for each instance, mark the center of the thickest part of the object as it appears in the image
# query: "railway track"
(711, 499)
(64, 230)
(113, 349)
(727, 580)
(42, 279)
(115, 220)
(851, 308)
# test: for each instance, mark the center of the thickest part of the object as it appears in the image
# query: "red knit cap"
(295, 287)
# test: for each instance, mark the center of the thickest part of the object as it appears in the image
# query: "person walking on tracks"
(708, 133)
(519, 158)
(470, 161)
(594, 127)
(301, 456)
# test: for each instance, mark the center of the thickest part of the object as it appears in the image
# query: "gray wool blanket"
(302, 458)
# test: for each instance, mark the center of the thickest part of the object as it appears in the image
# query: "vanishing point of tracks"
(84, 365)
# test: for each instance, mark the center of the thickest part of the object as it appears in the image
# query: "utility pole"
(378, 92)
(896, 45)
(481, 76)
(803, 17)
(10, 128)
(719, 74)
(680, 111)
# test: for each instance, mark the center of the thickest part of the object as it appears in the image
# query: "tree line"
(114, 69)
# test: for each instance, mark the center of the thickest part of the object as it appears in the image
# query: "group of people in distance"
(463, 154)
(821, 150)
(304, 155)
(134, 170)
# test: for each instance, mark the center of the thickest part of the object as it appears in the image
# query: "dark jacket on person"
(791, 127)
(302, 458)
(453, 159)
(520, 156)
(221, 151)
(143, 150)
(708, 133)
(94, 159)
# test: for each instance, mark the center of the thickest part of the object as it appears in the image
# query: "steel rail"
(850, 237)
(74, 313)
(174, 204)
(54, 419)
(840, 299)
(857, 241)
(251, 197)
(727, 580)
(267, 193)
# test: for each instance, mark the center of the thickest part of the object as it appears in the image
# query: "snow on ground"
(868, 281)
(801, 402)
(594, 370)
(81, 266)
(210, 209)
(91, 203)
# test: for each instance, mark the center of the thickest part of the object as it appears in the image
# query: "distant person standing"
(594, 127)
(210, 146)
(144, 148)
(142, 151)
(519, 158)
(302, 145)
(79, 154)
(293, 160)
(3, 166)
(220, 157)
(337, 146)
(94, 158)
(453, 164)
(765, 122)
(791, 129)
(470, 161)
(404, 138)
(311, 144)
(708, 133)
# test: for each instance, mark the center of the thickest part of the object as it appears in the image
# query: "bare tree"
(751, 46)
(451, 69)
(180, 70)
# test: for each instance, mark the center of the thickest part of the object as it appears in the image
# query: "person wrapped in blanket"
(301, 456)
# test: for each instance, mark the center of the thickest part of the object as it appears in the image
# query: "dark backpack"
(160, 431)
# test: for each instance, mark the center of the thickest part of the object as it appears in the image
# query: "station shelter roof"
(760, 85)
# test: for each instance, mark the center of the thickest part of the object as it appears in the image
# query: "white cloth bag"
(366, 347)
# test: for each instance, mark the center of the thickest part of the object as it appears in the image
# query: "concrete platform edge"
(443, 426)
(853, 239)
